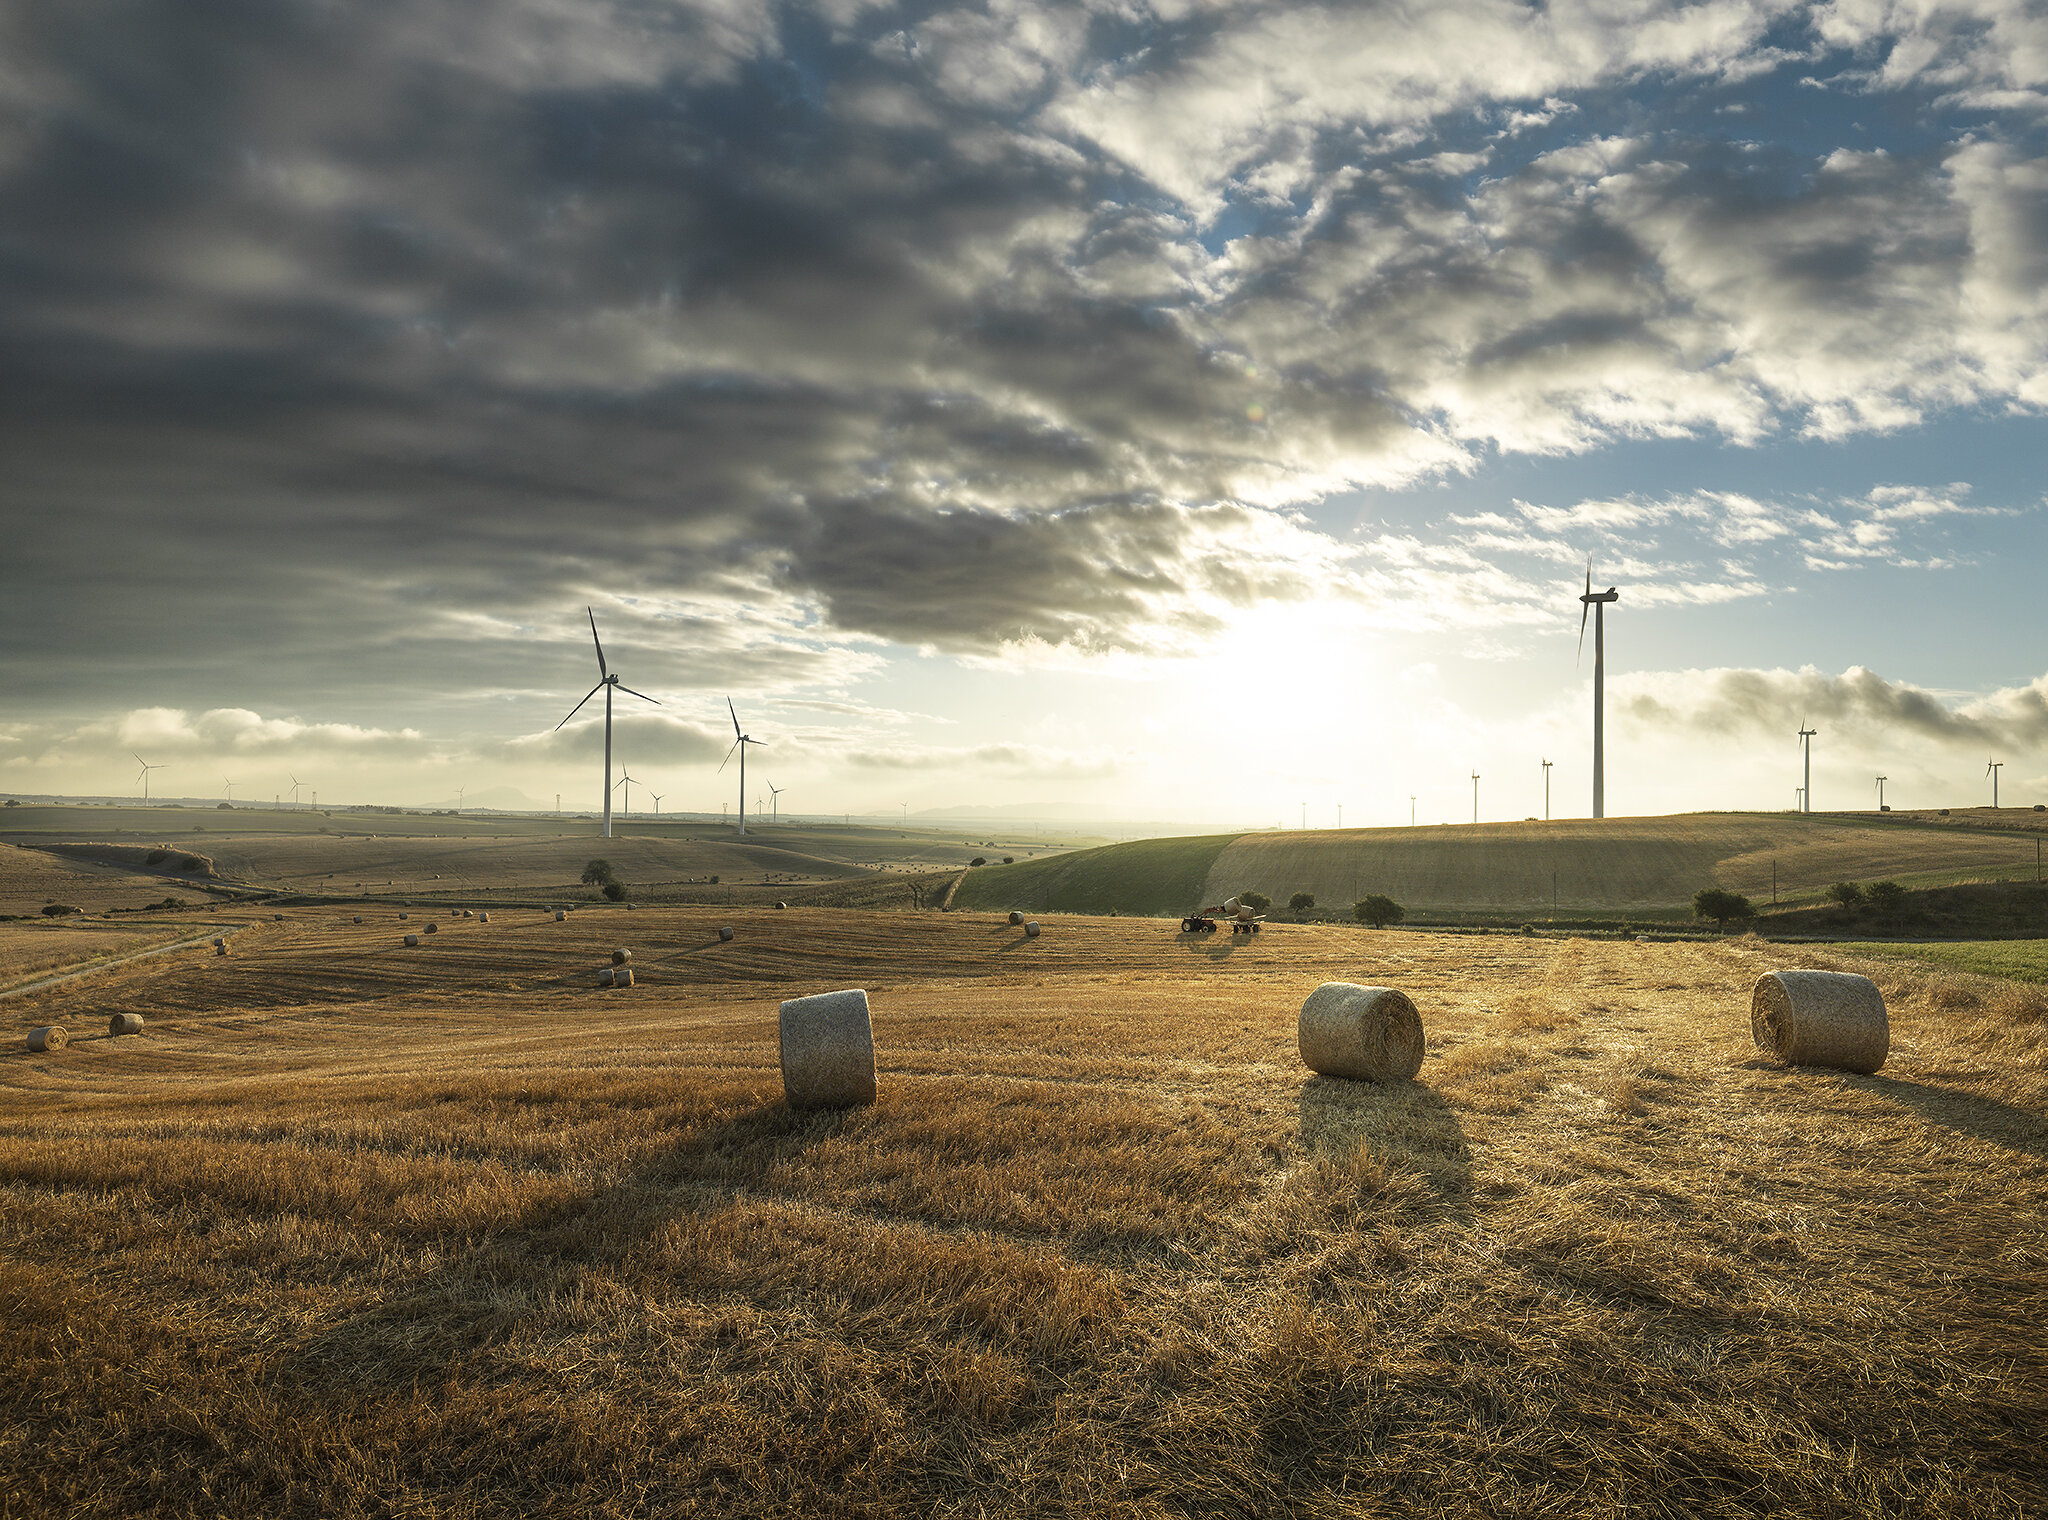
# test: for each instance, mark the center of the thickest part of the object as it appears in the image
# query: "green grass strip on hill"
(1143, 876)
(2020, 960)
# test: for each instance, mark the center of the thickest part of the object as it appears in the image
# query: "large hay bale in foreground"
(412, 941)
(125, 1023)
(49, 1037)
(1371, 1034)
(1016, 917)
(828, 1050)
(1820, 1018)
(725, 933)
(621, 957)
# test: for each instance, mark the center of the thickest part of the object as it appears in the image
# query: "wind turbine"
(775, 801)
(1806, 748)
(143, 775)
(460, 792)
(657, 801)
(1596, 603)
(296, 784)
(1881, 780)
(1475, 796)
(1991, 769)
(606, 681)
(740, 742)
(627, 782)
(1546, 791)
(230, 787)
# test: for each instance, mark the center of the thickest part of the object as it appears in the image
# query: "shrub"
(59, 910)
(979, 860)
(156, 857)
(1378, 909)
(16, 802)
(1847, 893)
(1009, 860)
(599, 873)
(615, 891)
(223, 807)
(1258, 902)
(192, 863)
(1301, 902)
(1885, 896)
(1720, 905)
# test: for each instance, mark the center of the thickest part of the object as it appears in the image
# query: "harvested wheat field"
(352, 1229)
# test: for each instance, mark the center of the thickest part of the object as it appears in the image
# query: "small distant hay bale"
(412, 941)
(1370, 1034)
(621, 957)
(725, 934)
(433, 928)
(1016, 917)
(220, 946)
(560, 916)
(1229, 905)
(1820, 1018)
(1031, 930)
(467, 914)
(125, 1023)
(615, 976)
(483, 918)
(278, 917)
(782, 905)
(359, 918)
(828, 1050)
(49, 1037)
(405, 915)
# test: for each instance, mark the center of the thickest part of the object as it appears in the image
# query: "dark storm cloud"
(1858, 704)
(352, 349)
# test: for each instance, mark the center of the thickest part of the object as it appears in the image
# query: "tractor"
(1243, 920)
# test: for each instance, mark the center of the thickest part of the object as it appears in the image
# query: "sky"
(1186, 411)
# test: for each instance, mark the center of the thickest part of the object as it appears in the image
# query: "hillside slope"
(1139, 876)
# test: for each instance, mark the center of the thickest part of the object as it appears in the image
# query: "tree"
(599, 873)
(1378, 909)
(1301, 902)
(1258, 902)
(615, 890)
(1720, 905)
(1885, 896)
(979, 860)
(1848, 894)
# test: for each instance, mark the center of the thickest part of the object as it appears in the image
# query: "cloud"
(1858, 706)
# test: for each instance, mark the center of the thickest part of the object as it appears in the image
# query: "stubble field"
(356, 1230)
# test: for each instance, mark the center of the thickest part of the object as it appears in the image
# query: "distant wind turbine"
(296, 784)
(229, 786)
(657, 802)
(626, 781)
(1881, 780)
(1597, 605)
(740, 741)
(1475, 796)
(775, 801)
(1991, 769)
(605, 683)
(143, 775)
(1806, 748)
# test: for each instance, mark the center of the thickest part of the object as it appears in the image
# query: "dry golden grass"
(353, 1230)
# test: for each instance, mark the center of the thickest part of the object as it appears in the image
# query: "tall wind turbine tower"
(775, 801)
(627, 782)
(1991, 769)
(143, 775)
(1475, 796)
(1881, 780)
(1806, 748)
(606, 681)
(740, 742)
(1596, 603)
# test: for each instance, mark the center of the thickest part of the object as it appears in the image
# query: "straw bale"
(620, 957)
(405, 915)
(433, 928)
(1229, 905)
(220, 947)
(828, 1050)
(1820, 1018)
(412, 941)
(782, 905)
(1016, 917)
(615, 976)
(725, 933)
(279, 917)
(560, 916)
(359, 918)
(125, 1023)
(1371, 1034)
(49, 1037)
(483, 918)
(1031, 930)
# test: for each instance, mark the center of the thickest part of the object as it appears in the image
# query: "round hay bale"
(828, 1050)
(412, 941)
(1031, 930)
(1229, 905)
(405, 915)
(433, 928)
(1820, 1018)
(1016, 917)
(620, 957)
(725, 934)
(1371, 1034)
(49, 1037)
(125, 1023)
(359, 918)
(278, 917)
(560, 916)
(782, 905)
(220, 947)
(467, 914)
(619, 976)
(483, 918)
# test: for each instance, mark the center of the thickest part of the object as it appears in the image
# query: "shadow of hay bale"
(1407, 1124)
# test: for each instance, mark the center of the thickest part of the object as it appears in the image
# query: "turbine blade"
(641, 695)
(1584, 609)
(579, 706)
(602, 668)
(728, 754)
(735, 719)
